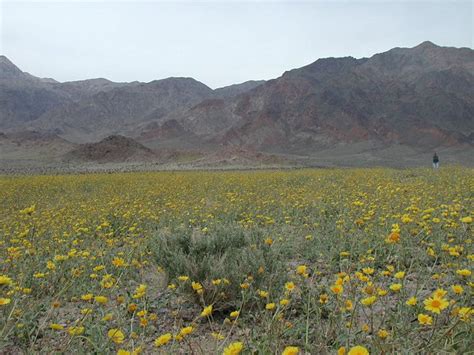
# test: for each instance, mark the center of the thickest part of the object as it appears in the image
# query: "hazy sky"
(218, 43)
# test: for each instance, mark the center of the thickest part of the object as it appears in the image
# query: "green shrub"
(229, 253)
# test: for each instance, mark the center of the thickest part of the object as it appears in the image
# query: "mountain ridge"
(421, 97)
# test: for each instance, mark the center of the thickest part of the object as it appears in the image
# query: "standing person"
(435, 161)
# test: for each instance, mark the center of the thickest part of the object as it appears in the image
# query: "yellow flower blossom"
(358, 350)
(107, 317)
(116, 335)
(87, 297)
(395, 287)
(411, 301)
(425, 319)
(186, 330)
(207, 311)
(284, 301)
(337, 289)
(382, 333)
(4, 301)
(465, 313)
(197, 287)
(368, 301)
(101, 299)
(290, 286)
(435, 305)
(270, 306)
(118, 262)
(76, 330)
(301, 270)
(234, 348)
(291, 350)
(399, 275)
(463, 272)
(163, 339)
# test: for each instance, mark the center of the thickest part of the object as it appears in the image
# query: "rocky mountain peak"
(426, 45)
(8, 70)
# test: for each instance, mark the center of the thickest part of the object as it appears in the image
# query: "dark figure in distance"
(435, 161)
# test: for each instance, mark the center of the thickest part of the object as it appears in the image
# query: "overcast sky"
(218, 43)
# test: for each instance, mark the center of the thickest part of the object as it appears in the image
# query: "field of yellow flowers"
(344, 261)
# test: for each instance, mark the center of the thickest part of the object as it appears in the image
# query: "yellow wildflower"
(76, 330)
(197, 287)
(186, 330)
(207, 311)
(270, 306)
(465, 313)
(101, 299)
(291, 350)
(382, 333)
(140, 291)
(396, 287)
(435, 305)
(116, 335)
(284, 301)
(163, 339)
(411, 301)
(107, 317)
(348, 305)
(425, 319)
(463, 272)
(87, 297)
(358, 350)
(118, 262)
(234, 348)
(368, 301)
(301, 270)
(337, 289)
(4, 301)
(399, 275)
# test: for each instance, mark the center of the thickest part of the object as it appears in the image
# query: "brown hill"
(114, 148)
(25, 148)
(120, 109)
(422, 96)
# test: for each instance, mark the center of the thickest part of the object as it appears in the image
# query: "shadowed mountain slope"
(416, 96)
(111, 149)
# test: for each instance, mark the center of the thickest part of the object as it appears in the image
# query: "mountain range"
(414, 100)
